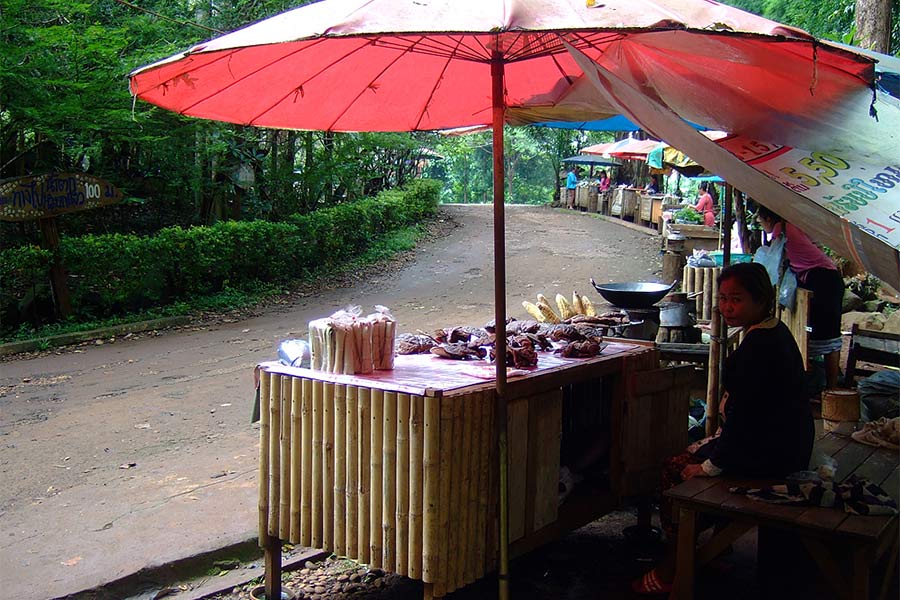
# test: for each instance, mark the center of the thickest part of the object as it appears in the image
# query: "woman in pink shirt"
(817, 273)
(705, 205)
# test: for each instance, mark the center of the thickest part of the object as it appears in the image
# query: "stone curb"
(65, 339)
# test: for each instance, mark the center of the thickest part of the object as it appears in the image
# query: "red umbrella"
(402, 65)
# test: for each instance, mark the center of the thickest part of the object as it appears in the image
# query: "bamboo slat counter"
(398, 469)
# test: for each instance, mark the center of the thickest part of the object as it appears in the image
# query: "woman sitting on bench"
(766, 429)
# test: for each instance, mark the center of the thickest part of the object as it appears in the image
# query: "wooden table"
(822, 530)
(398, 469)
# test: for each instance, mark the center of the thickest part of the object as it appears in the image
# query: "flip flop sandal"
(650, 585)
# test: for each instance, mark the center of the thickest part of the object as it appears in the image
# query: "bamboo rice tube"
(402, 474)
(274, 455)
(352, 471)
(375, 479)
(389, 483)
(296, 448)
(364, 352)
(364, 419)
(340, 346)
(328, 466)
(263, 478)
(305, 460)
(416, 450)
(317, 448)
(340, 468)
(321, 344)
(431, 492)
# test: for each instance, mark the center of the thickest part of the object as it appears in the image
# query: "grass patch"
(381, 250)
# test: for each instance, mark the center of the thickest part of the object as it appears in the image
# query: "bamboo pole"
(801, 316)
(484, 452)
(402, 474)
(708, 291)
(445, 460)
(274, 455)
(471, 510)
(317, 453)
(493, 529)
(377, 473)
(352, 543)
(364, 419)
(456, 540)
(712, 379)
(284, 521)
(296, 416)
(416, 491)
(263, 478)
(389, 483)
(685, 283)
(431, 492)
(340, 469)
(306, 426)
(328, 466)
(464, 489)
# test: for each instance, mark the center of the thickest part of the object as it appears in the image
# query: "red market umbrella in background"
(628, 148)
(406, 65)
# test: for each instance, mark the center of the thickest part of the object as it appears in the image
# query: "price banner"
(867, 195)
(43, 196)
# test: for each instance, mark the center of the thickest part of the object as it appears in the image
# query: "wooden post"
(673, 267)
(273, 567)
(375, 479)
(50, 241)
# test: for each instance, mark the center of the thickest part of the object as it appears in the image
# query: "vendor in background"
(766, 428)
(706, 206)
(817, 273)
(604, 182)
(571, 184)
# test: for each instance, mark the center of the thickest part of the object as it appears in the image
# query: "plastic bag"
(771, 257)
(787, 289)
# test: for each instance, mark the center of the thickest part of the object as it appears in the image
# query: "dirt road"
(131, 453)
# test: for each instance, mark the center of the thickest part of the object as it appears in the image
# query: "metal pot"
(633, 294)
(675, 314)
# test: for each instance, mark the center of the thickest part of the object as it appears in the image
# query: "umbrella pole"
(497, 98)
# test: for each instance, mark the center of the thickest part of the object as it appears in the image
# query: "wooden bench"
(875, 347)
(822, 530)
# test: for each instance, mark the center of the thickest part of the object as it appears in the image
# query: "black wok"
(633, 294)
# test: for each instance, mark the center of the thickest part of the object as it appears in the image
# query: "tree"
(873, 24)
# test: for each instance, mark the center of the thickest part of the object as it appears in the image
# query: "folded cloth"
(856, 495)
(884, 433)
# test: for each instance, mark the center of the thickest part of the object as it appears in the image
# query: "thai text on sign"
(43, 196)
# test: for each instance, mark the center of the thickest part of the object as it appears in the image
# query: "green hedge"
(113, 274)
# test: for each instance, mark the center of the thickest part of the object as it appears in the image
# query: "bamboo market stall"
(399, 469)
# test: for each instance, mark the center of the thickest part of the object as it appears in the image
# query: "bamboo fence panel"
(402, 474)
(455, 481)
(340, 468)
(284, 442)
(376, 481)
(317, 459)
(306, 427)
(364, 421)
(389, 483)
(416, 491)
(445, 460)
(328, 466)
(352, 472)
(484, 428)
(296, 440)
(274, 454)
(263, 478)
(431, 548)
(462, 499)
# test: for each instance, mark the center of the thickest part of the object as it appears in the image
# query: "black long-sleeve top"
(768, 429)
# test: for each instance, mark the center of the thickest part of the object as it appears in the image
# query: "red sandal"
(650, 584)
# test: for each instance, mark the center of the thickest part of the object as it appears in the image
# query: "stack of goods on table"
(349, 343)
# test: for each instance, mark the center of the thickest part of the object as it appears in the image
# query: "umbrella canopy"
(628, 148)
